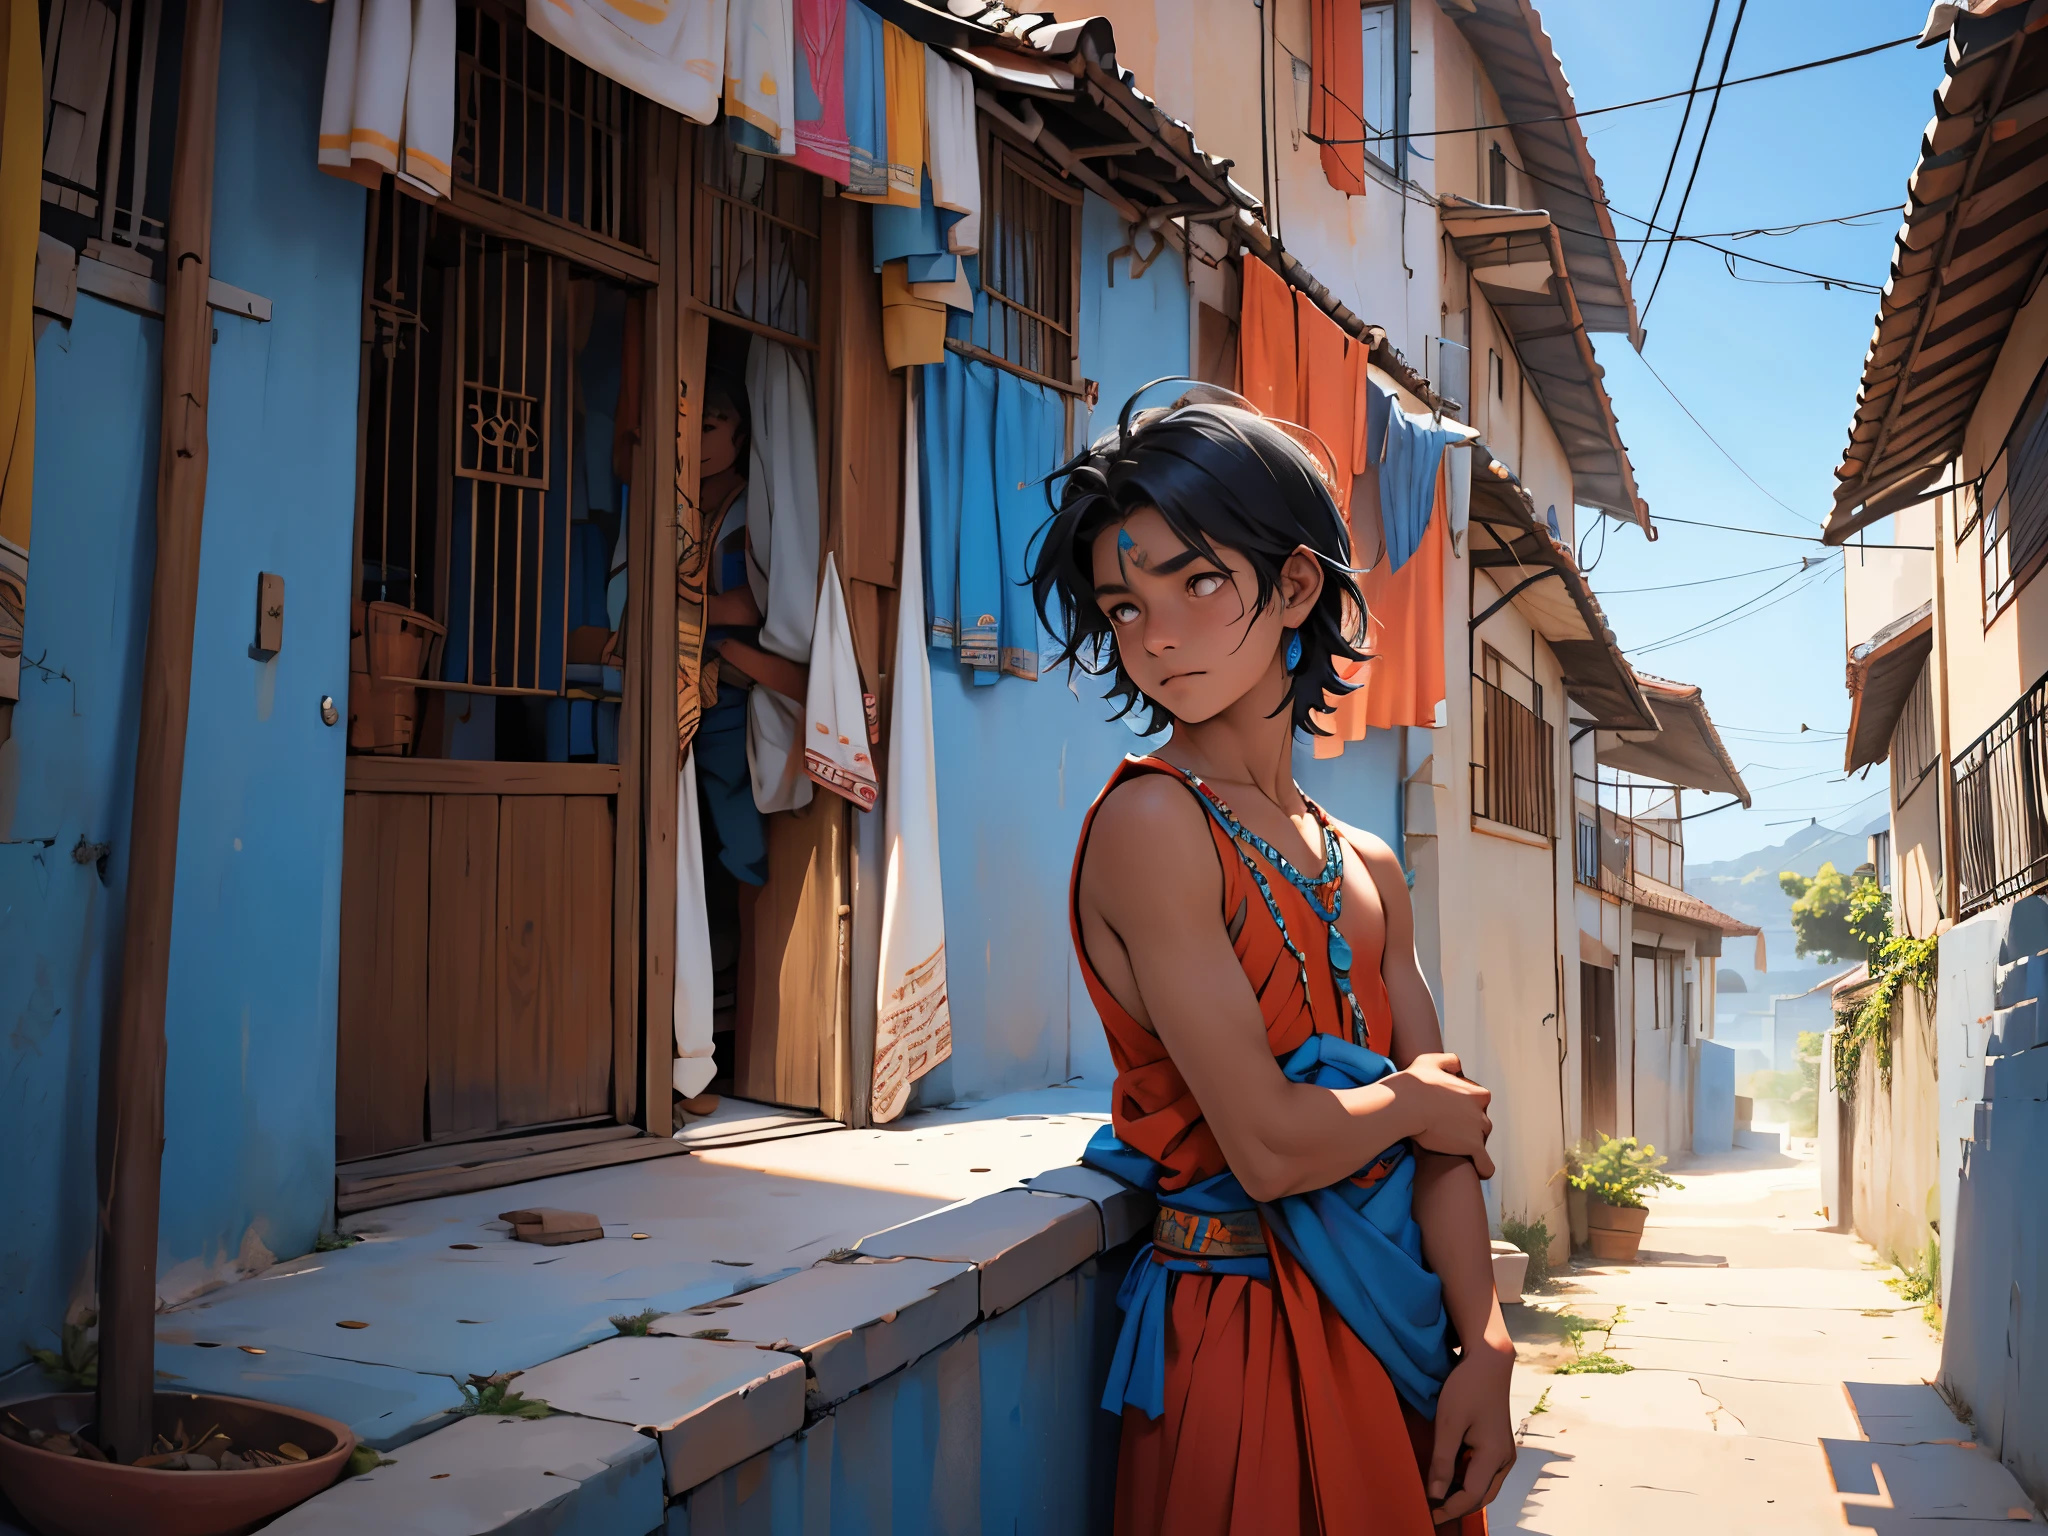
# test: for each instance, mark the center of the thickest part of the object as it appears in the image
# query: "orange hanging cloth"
(1403, 682)
(1268, 370)
(1327, 376)
(1336, 103)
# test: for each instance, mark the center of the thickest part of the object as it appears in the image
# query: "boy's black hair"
(1221, 475)
(730, 390)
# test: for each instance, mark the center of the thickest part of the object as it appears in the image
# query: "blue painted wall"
(250, 1093)
(1019, 764)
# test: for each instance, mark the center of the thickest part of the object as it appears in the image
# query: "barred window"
(1913, 744)
(1030, 267)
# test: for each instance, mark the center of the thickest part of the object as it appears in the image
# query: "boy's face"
(721, 438)
(1184, 624)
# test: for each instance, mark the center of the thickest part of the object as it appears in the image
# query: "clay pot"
(1615, 1231)
(72, 1496)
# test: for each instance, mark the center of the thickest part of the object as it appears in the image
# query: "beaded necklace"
(1332, 878)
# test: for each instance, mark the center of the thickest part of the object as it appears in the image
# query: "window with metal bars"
(106, 126)
(1030, 267)
(1513, 773)
(758, 252)
(536, 128)
(1913, 742)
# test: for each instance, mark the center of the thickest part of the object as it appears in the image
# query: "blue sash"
(1358, 1242)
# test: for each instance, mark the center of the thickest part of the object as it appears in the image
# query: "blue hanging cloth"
(1412, 449)
(1029, 423)
(980, 542)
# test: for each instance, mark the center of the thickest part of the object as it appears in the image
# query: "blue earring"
(1293, 650)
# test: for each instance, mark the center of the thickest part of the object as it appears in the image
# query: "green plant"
(1921, 1281)
(1542, 1404)
(1600, 1362)
(365, 1459)
(1836, 917)
(334, 1242)
(634, 1325)
(75, 1362)
(1533, 1238)
(1619, 1172)
(1900, 962)
(1797, 1091)
(494, 1395)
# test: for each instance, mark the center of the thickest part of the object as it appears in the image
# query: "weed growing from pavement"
(634, 1325)
(1600, 1362)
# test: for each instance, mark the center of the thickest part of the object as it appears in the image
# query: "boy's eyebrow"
(1116, 587)
(1179, 562)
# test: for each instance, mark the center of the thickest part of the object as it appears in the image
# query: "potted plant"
(1615, 1175)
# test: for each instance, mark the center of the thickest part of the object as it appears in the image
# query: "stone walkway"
(1772, 1382)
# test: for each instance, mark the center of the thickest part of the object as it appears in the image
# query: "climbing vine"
(1900, 962)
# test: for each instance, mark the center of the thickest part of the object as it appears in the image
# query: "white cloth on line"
(693, 1067)
(913, 1019)
(837, 751)
(670, 51)
(782, 560)
(388, 102)
(1458, 494)
(760, 75)
(951, 148)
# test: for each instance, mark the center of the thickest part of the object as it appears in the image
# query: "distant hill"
(1747, 887)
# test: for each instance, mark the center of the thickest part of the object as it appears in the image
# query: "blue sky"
(1770, 370)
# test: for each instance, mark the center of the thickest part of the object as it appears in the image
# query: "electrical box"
(269, 615)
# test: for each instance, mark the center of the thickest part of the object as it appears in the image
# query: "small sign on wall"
(269, 616)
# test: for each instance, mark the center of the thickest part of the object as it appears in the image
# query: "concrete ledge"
(712, 1404)
(1126, 1212)
(1020, 1241)
(852, 1323)
(561, 1476)
(385, 1405)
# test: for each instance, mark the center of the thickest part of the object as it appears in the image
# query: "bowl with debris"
(218, 1466)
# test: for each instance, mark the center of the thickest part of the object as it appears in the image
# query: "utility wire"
(1677, 144)
(1705, 581)
(1744, 610)
(1699, 153)
(1752, 479)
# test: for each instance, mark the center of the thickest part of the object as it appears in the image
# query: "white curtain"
(913, 1022)
(782, 561)
(388, 103)
(693, 1067)
(670, 51)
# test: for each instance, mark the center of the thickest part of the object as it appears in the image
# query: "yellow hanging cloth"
(21, 179)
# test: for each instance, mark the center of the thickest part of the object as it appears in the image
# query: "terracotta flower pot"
(72, 1496)
(1615, 1231)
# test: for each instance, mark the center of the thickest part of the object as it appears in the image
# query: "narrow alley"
(1763, 1377)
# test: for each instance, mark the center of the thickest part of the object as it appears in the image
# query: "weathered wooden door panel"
(462, 968)
(782, 1050)
(554, 958)
(381, 1055)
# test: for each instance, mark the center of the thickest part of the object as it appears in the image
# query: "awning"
(1538, 574)
(1517, 257)
(1882, 672)
(1519, 60)
(1974, 238)
(1688, 909)
(1685, 749)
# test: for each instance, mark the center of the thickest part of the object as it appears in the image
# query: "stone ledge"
(853, 1323)
(711, 1404)
(1126, 1212)
(1020, 1241)
(564, 1476)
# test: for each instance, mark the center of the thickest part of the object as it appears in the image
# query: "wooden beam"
(131, 1121)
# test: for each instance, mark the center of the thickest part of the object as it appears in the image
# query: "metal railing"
(2001, 806)
(1514, 782)
(1618, 844)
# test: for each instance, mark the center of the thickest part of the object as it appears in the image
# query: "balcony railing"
(1615, 850)
(1515, 782)
(2001, 782)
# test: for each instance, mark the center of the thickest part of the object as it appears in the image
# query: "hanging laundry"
(1327, 366)
(837, 751)
(1268, 361)
(1336, 108)
(913, 1022)
(1029, 430)
(693, 1067)
(939, 492)
(916, 235)
(1402, 682)
(21, 183)
(672, 52)
(821, 143)
(913, 326)
(979, 625)
(1458, 472)
(867, 104)
(1409, 480)
(951, 148)
(388, 103)
(760, 76)
(903, 72)
(782, 560)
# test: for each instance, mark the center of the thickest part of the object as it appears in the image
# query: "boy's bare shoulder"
(1149, 828)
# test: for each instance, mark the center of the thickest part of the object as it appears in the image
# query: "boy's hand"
(1472, 1416)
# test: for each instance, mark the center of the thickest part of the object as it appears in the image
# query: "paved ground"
(1774, 1382)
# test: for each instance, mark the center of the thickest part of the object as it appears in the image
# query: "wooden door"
(476, 950)
(1596, 1052)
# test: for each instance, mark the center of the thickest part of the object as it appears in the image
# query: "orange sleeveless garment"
(1278, 1420)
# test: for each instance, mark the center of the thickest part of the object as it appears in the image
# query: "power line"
(1705, 581)
(1678, 143)
(1752, 479)
(1744, 610)
(1699, 153)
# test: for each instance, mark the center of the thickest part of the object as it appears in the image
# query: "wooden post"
(132, 1055)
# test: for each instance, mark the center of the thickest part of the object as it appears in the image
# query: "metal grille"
(1029, 268)
(2002, 806)
(758, 255)
(1914, 747)
(1513, 782)
(402, 382)
(535, 127)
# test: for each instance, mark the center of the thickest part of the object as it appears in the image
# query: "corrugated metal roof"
(1969, 254)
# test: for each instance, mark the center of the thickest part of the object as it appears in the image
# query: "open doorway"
(1597, 1109)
